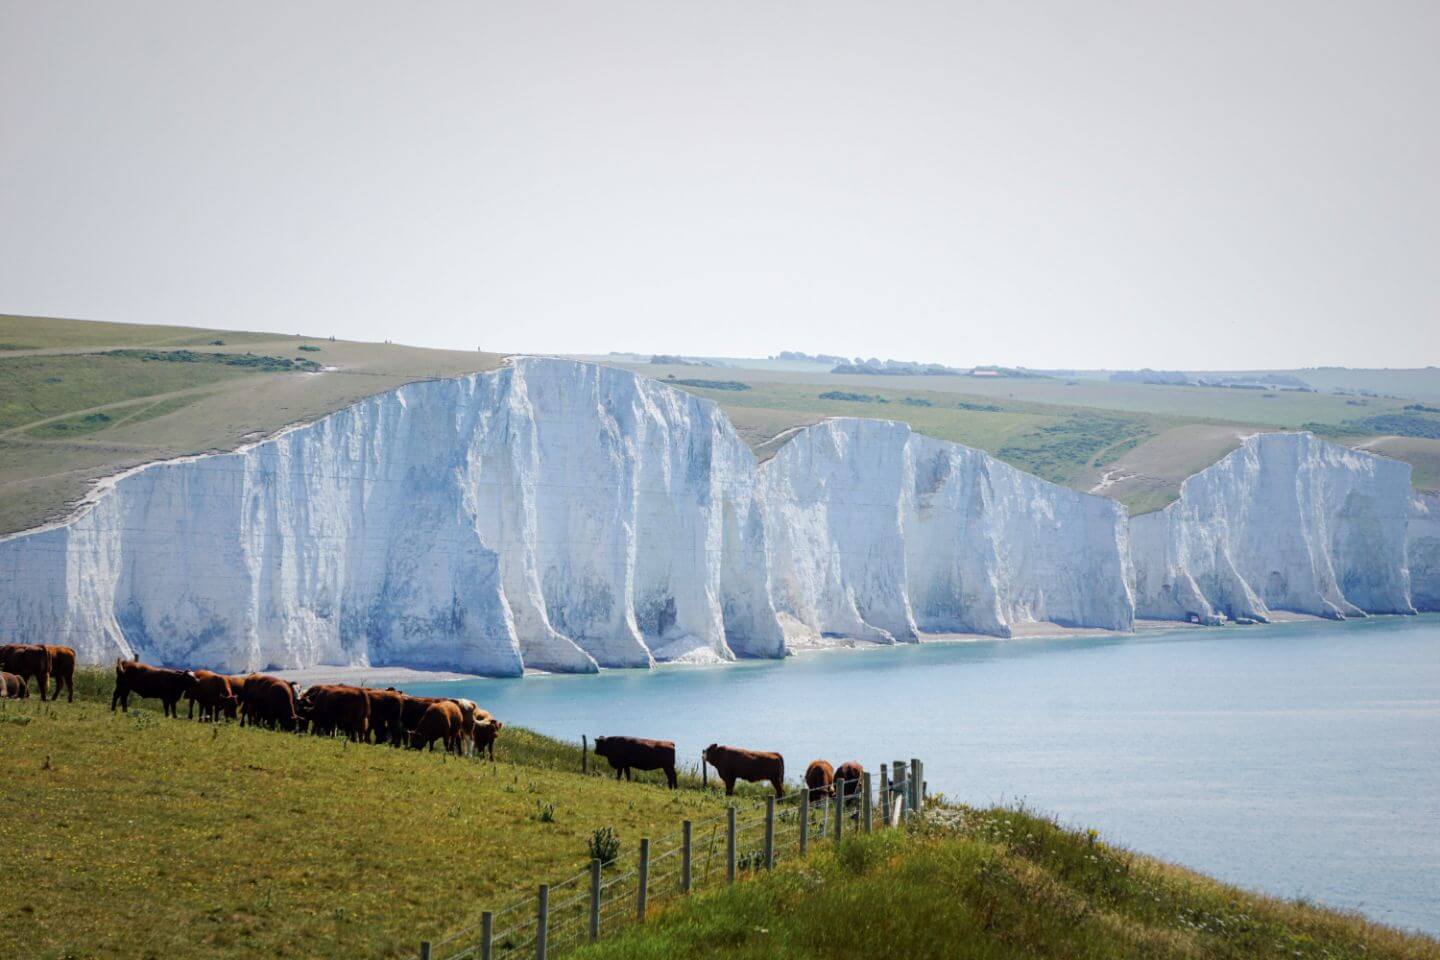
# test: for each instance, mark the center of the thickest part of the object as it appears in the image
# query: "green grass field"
(137, 836)
(997, 885)
(140, 836)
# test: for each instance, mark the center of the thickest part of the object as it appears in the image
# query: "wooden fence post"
(542, 921)
(424, 950)
(914, 804)
(769, 832)
(885, 794)
(487, 934)
(839, 809)
(730, 845)
(865, 800)
(804, 820)
(644, 890)
(686, 839)
(917, 770)
(584, 753)
(595, 898)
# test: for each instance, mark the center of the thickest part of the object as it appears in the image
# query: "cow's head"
(189, 679)
(602, 746)
(705, 754)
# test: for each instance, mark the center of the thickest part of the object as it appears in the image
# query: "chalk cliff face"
(1286, 522)
(566, 516)
(553, 515)
(880, 533)
(1423, 551)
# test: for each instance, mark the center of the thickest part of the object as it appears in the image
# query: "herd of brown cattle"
(21, 661)
(362, 714)
(389, 716)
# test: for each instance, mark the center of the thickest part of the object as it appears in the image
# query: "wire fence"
(750, 837)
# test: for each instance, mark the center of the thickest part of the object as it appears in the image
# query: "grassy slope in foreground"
(138, 836)
(997, 884)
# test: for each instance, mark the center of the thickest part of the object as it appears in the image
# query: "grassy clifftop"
(997, 884)
(82, 400)
(138, 836)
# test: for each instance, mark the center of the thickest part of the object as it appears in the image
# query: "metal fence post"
(643, 893)
(595, 898)
(839, 809)
(730, 845)
(885, 794)
(769, 832)
(686, 836)
(542, 921)
(424, 950)
(865, 800)
(804, 820)
(487, 934)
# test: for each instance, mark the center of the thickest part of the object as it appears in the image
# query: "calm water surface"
(1300, 759)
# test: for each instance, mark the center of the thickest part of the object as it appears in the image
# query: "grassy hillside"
(139, 836)
(997, 884)
(82, 400)
(1135, 442)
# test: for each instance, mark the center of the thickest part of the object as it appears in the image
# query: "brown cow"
(627, 753)
(62, 668)
(386, 708)
(848, 778)
(268, 701)
(487, 731)
(441, 720)
(27, 660)
(757, 766)
(214, 694)
(167, 686)
(820, 778)
(337, 707)
(13, 687)
(412, 709)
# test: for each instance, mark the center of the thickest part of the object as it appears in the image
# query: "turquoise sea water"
(1301, 759)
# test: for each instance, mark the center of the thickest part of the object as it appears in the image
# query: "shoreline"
(394, 675)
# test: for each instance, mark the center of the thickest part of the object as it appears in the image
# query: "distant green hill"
(81, 400)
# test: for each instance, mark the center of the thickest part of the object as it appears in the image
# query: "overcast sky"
(1082, 184)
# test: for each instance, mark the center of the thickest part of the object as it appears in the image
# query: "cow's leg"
(115, 698)
(729, 786)
(670, 778)
(779, 788)
(44, 679)
(70, 687)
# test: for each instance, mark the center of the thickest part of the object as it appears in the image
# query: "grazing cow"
(386, 707)
(487, 731)
(757, 766)
(468, 716)
(214, 694)
(167, 686)
(268, 701)
(13, 687)
(62, 668)
(627, 753)
(820, 778)
(27, 660)
(848, 778)
(337, 707)
(441, 721)
(412, 709)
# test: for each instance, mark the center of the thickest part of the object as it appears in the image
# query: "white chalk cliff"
(879, 533)
(1287, 522)
(565, 516)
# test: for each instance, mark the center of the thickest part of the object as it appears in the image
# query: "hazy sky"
(1189, 184)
